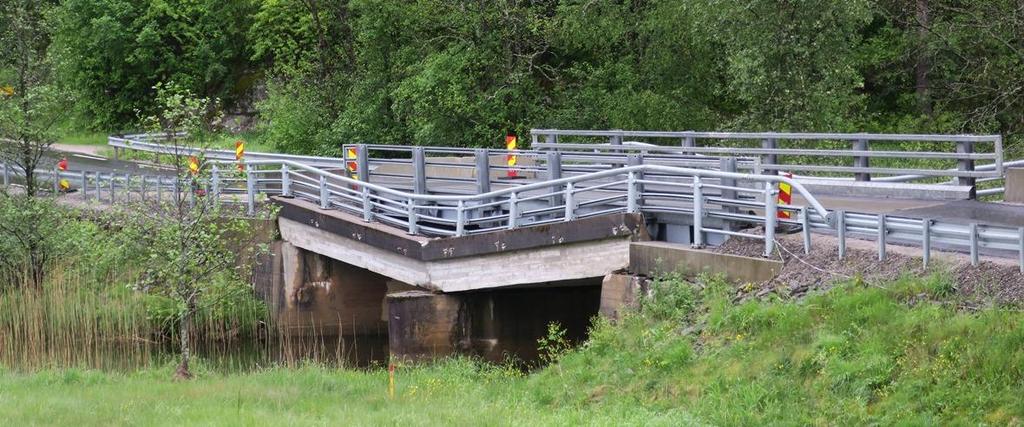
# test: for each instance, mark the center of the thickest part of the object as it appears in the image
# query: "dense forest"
(314, 73)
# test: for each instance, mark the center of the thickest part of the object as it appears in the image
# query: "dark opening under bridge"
(447, 251)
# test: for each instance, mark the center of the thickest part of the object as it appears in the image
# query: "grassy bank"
(860, 354)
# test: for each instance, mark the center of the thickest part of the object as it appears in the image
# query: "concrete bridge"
(452, 250)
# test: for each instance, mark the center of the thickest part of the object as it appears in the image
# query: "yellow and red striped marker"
(62, 165)
(240, 154)
(350, 162)
(785, 196)
(193, 165)
(510, 144)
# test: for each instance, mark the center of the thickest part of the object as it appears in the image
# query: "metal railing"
(150, 143)
(775, 149)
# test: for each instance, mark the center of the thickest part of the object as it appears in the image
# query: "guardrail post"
(551, 139)
(513, 211)
(771, 158)
(325, 195)
(967, 165)
(286, 181)
(419, 174)
(554, 160)
(926, 241)
(250, 190)
(56, 180)
(841, 233)
(412, 217)
(99, 186)
(113, 187)
(85, 186)
(7, 174)
(631, 193)
(367, 207)
(159, 188)
(860, 161)
(882, 232)
(363, 162)
(615, 139)
(460, 219)
(688, 142)
(698, 214)
(771, 213)
(483, 170)
(974, 243)
(637, 159)
(805, 223)
(142, 187)
(215, 184)
(1020, 252)
(570, 202)
(728, 164)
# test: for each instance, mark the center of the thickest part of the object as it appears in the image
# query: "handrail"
(771, 135)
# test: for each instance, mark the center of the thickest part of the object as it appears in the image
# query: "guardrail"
(776, 148)
(150, 143)
(704, 194)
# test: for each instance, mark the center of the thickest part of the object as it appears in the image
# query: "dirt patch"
(994, 280)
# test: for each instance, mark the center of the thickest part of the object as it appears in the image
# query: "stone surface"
(654, 258)
(1014, 185)
(619, 292)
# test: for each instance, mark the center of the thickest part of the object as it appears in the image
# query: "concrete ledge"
(422, 248)
(654, 258)
(1014, 185)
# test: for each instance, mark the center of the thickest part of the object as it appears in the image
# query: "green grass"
(856, 355)
(83, 138)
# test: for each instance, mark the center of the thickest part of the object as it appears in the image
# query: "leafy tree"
(31, 104)
(193, 243)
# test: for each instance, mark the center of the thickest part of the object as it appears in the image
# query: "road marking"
(86, 156)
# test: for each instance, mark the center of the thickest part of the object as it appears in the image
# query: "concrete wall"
(654, 258)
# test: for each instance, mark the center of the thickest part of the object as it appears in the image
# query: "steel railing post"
(882, 234)
(926, 241)
(698, 213)
(805, 224)
(631, 195)
(554, 160)
(99, 187)
(728, 164)
(638, 188)
(460, 219)
(771, 208)
(513, 211)
(570, 202)
(286, 181)
(56, 180)
(861, 161)
(1020, 252)
(483, 171)
(113, 188)
(363, 162)
(159, 189)
(412, 217)
(966, 166)
(215, 184)
(367, 207)
(974, 243)
(325, 194)
(250, 190)
(688, 142)
(841, 232)
(419, 175)
(142, 187)
(771, 158)
(615, 139)
(85, 186)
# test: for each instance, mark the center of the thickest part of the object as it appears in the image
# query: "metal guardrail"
(150, 143)
(704, 194)
(962, 150)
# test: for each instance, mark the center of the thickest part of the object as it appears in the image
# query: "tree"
(31, 104)
(192, 241)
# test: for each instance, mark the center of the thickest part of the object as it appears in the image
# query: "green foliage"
(113, 52)
(554, 345)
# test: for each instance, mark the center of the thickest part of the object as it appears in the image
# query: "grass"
(83, 138)
(859, 354)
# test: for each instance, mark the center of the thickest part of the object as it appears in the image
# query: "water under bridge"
(451, 250)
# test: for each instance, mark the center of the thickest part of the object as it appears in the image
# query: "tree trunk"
(183, 373)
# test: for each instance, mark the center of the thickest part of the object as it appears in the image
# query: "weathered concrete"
(542, 264)
(619, 292)
(424, 325)
(1014, 185)
(653, 258)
